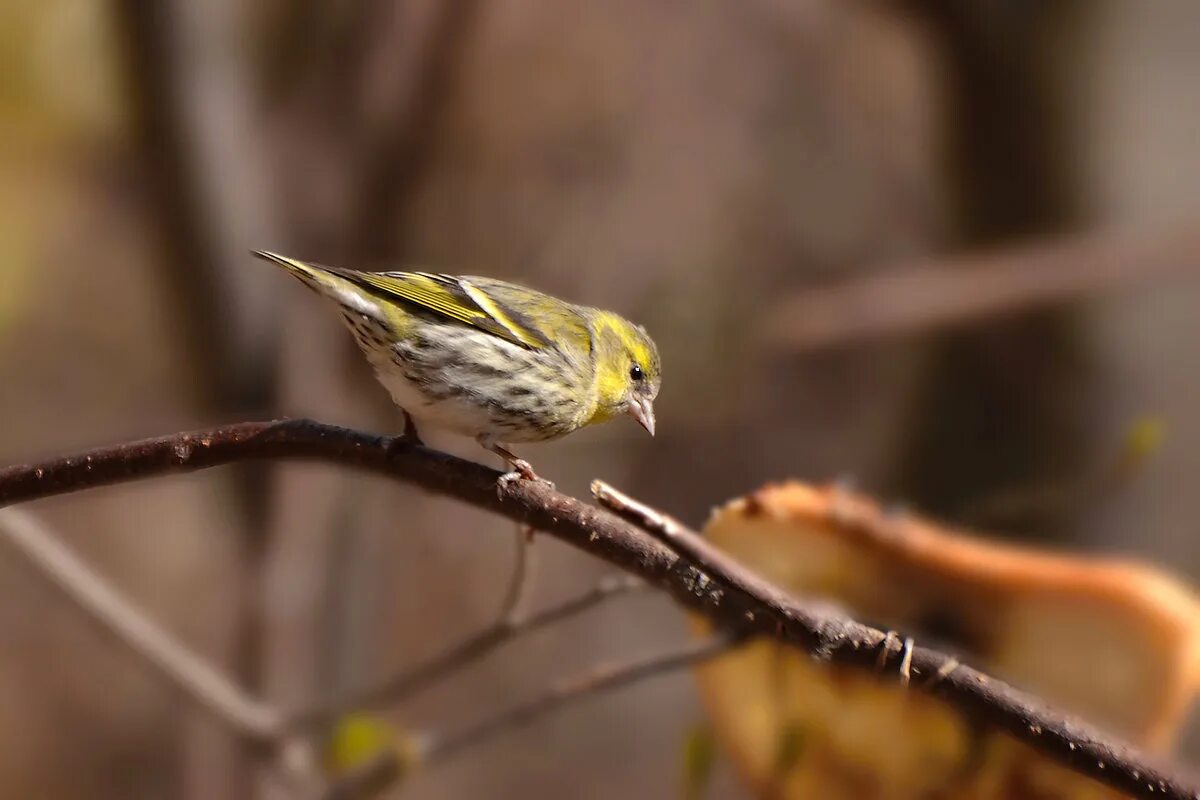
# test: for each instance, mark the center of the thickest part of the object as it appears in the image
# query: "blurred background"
(946, 250)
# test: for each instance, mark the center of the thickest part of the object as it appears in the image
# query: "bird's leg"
(410, 435)
(410, 429)
(521, 469)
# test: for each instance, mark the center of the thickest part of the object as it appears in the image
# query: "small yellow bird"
(490, 359)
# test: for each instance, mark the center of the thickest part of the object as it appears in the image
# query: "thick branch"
(728, 595)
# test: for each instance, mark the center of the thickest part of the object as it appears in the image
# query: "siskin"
(491, 359)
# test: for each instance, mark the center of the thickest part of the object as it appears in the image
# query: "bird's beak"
(642, 409)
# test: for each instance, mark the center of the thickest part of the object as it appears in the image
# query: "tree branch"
(217, 693)
(518, 582)
(381, 771)
(728, 595)
(369, 780)
(598, 679)
(412, 680)
(181, 667)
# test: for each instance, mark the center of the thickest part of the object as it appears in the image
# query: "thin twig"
(442, 666)
(667, 530)
(368, 780)
(518, 582)
(601, 679)
(102, 603)
(382, 771)
(736, 600)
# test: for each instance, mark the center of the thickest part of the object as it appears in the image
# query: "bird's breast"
(473, 383)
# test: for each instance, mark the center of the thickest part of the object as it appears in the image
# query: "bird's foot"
(410, 431)
(400, 441)
(521, 470)
(410, 437)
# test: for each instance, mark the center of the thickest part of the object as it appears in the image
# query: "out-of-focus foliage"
(358, 739)
(699, 756)
(15, 269)
(1143, 439)
(1116, 643)
(57, 73)
(57, 90)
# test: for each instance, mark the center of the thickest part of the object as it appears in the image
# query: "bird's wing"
(455, 298)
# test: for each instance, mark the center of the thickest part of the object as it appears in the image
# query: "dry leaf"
(1117, 643)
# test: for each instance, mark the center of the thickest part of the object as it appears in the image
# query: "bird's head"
(628, 370)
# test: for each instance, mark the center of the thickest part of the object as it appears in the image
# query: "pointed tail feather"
(309, 273)
(326, 282)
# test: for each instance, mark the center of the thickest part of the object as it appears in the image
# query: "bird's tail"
(328, 282)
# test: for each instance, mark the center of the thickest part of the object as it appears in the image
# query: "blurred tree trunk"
(369, 97)
(193, 102)
(1003, 405)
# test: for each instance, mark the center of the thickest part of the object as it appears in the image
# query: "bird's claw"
(395, 444)
(410, 437)
(521, 470)
(410, 431)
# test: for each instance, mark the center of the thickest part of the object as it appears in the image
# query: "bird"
(492, 360)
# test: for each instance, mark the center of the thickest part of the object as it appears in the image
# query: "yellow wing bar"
(452, 297)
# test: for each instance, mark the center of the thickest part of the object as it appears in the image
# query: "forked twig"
(411, 680)
(600, 679)
(518, 582)
(384, 768)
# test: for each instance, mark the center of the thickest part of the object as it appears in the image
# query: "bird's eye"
(635, 372)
